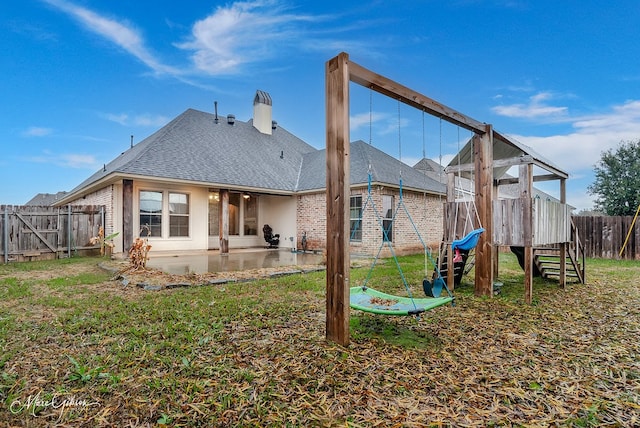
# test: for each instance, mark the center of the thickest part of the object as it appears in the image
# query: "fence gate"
(44, 232)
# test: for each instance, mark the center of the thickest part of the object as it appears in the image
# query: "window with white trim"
(178, 214)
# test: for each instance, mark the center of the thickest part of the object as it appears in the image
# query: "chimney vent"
(231, 119)
(262, 112)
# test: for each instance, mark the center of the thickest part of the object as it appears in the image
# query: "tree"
(617, 180)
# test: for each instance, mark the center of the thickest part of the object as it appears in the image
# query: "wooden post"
(127, 215)
(224, 222)
(5, 234)
(338, 258)
(526, 188)
(563, 245)
(483, 165)
(496, 249)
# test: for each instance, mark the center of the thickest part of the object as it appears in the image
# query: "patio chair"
(272, 240)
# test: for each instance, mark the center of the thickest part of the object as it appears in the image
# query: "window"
(178, 214)
(151, 212)
(153, 207)
(355, 218)
(387, 218)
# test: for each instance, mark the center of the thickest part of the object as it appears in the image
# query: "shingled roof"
(385, 169)
(195, 148)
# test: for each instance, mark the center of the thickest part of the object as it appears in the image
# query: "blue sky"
(79, 77)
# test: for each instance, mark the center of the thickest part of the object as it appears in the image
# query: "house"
(205, 181)
(46, 199)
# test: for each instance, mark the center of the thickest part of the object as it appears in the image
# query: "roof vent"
(215, 105)
(231, 119)
(274, 124)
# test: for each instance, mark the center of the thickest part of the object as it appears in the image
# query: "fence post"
(69, 231)
(5, 234)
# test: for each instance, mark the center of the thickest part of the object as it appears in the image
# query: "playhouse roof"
(505, 148)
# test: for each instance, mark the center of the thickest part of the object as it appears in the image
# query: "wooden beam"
(496, 253)
(395, 90)
(127, 215)
(536, 178)
(526, 188)
(483, 160)
(338, 165)
(546, 177)
(528, 274)
(503, 163)
(455, 169)
(451, 187)
(564, 247)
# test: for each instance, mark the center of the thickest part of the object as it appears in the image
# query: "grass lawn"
(80, 349)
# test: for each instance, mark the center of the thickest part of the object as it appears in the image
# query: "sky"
(81, 80)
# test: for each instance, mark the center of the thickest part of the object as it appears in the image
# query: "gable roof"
(432, 169)
(505, 147)
(385, 169)
(194, 148)
(46, 199)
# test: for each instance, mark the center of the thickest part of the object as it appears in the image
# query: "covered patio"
(211, 261)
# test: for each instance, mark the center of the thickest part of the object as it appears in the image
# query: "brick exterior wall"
(424, 210)
(104, 196)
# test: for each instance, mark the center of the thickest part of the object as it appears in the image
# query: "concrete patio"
(200, 262)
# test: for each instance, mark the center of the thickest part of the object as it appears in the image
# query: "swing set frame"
(339, 73)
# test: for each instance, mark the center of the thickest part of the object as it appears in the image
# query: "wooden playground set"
(539, 231)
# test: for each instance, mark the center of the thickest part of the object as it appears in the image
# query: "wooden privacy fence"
(44, 232)
(603, 237)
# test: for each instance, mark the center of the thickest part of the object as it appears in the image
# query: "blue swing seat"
(469, 241)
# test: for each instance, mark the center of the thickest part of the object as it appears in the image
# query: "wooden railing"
(576, 253)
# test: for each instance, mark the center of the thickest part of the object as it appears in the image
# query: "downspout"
(102, 219)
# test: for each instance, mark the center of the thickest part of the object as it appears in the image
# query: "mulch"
(573, 359)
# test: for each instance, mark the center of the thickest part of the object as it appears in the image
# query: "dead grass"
(254, 354)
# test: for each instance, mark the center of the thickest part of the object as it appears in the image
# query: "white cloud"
(36, 131)
(66, 160)
(361, 120)
(243, 33)
(150, 120)
(536, 108)
(119, 33)
(117, 118)
(233, 37)
(77, 161)
(580, 150)
(145, 119)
